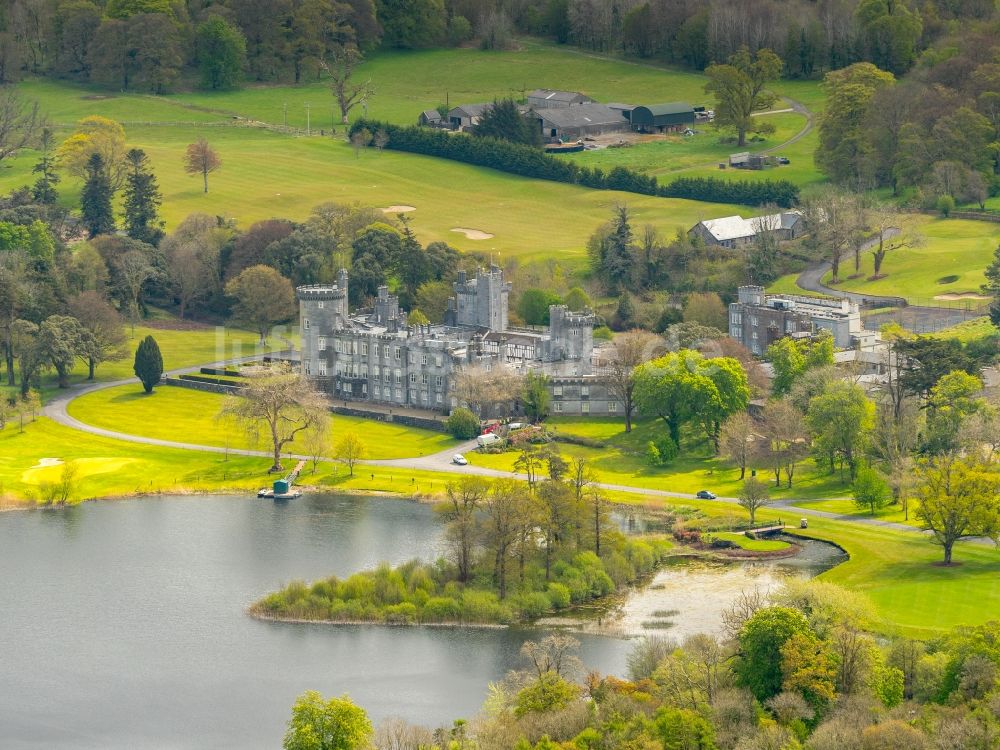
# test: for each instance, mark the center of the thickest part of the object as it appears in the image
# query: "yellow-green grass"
(266, 175)
(950, 247)
(109, 468)
(622, 461)
(754, 545)
(183, 415)
(968, 330)
(663, 155)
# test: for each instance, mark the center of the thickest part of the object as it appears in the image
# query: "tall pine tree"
(44, 190)
(95, 200)
(142, 199)
(504, 121)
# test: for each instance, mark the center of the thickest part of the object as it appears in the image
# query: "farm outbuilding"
(658, 118)
(431, 118)
(551, 98)
(466, 115)
(580, 120)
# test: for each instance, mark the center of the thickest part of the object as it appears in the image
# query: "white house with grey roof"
(735, 231)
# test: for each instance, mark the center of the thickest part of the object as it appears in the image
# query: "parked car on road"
(705, 495)
(459, 459)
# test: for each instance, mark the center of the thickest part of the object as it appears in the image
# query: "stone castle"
(375, 355)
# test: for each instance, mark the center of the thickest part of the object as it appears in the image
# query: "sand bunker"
(398, 209)
(962, 295)
(43, 462)
(473, 234)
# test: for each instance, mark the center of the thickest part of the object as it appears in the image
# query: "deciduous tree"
(347, 94)
(107, 333)
(222, 51)
(958, 499)
(327, 724)
(618, 362)
(263, 297)
(740, 90)
(200, 158)
(753, 496)
(278, 402)
(349, 450)
(20, 122)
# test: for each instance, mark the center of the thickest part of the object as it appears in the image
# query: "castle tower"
(482, 302)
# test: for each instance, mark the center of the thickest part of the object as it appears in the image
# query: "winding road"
(57, 410)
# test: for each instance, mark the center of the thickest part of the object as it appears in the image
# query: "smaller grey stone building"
(757, 320)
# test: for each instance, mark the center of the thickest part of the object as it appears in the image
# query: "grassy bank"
(183, 415)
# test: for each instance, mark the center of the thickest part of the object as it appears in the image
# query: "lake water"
(124, 627)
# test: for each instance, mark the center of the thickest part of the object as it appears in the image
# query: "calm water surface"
(123, 624)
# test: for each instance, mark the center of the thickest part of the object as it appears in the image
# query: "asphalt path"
(57, 410)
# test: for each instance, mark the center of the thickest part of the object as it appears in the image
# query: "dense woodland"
(154, 45)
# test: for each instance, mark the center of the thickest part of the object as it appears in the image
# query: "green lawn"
(110, 468)
(661, 155)
(622, 461)
(950, 248)
(754, 545)
(180, 348)
(916, 596)
(528, 218)
(183, 415)
(968, 330)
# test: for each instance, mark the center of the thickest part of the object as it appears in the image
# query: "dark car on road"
(705, 495)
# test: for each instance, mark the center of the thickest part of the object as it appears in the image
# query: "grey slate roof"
(581, 116)
(670, 108)
(555, 95)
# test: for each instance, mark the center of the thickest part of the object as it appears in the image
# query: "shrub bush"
(462, 424)
(558, 596)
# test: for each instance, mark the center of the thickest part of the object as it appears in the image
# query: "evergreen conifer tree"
(142, 199)
(95, 200)
(148, 363)
(504, 121)
(44, 191)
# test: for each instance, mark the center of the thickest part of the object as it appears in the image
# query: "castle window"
(320, 304)
(437, 360)
(387, 376)
(423, 378)
(399, 377)
(397, 353)
(557, 390)
(413, 377)
(322, 367)
(439, 381)
(375, 372)
(438, 398)
(584, 390)
(308, 372)
(557, 406)
(321, 343)
(585, 407)
(378, 391)
(364, 347)
(364, 389)
(305, 323)
(612, 406)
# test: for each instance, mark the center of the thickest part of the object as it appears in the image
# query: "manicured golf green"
(183, 415)
(266, 175)
(948, 263)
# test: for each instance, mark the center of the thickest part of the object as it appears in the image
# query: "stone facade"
(757, 320)
(374, 355)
